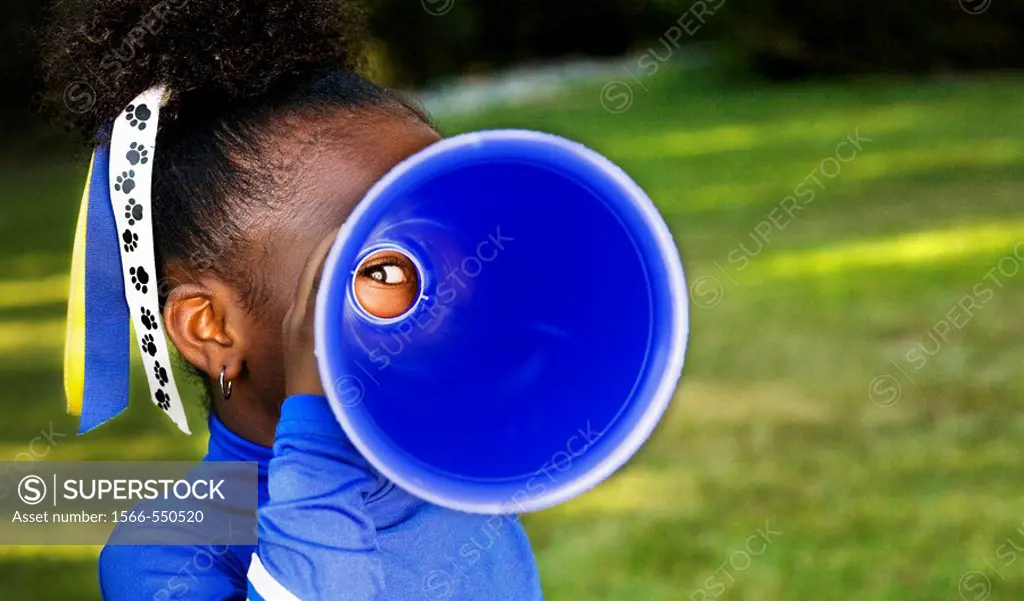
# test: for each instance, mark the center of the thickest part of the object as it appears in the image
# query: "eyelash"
(385, 262)
(380, 263)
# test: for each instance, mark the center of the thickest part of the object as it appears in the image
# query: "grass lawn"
(850, 421)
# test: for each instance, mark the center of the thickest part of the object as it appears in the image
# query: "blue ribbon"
(107, 320)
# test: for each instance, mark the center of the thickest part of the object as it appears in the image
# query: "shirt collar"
(225, 445)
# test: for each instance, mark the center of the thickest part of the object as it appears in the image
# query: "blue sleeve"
(316, 540)
(163, 573)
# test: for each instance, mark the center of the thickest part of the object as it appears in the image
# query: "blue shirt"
(331, 527)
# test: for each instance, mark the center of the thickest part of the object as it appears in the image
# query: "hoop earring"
(225, 391)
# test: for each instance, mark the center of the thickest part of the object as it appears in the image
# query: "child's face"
(214, 326)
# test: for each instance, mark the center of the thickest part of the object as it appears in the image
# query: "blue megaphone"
(545, 336)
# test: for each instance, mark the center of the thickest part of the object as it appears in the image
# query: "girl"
(266, 139)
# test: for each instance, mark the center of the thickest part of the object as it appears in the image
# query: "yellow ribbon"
(74, 340)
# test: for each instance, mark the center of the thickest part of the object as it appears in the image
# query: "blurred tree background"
(421, 40)
(801, 410)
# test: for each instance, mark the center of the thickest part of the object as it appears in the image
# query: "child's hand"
(301, 373)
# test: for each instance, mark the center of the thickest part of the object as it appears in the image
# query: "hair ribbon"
(113, 282)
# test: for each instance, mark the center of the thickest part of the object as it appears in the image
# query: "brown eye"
(386, 284)
(387, 274)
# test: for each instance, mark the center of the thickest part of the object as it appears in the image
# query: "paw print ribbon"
(113, 278)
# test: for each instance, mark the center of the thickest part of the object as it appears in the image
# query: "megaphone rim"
(411, 309)
(659, 401)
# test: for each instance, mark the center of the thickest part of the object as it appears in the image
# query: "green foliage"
(790, 39)
(434, 38)
(419, 41)
(783, 39)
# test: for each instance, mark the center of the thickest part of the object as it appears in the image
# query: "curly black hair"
(235, 50)
(239, 73)
(243, 77)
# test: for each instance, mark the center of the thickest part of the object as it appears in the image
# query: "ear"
(202, 318)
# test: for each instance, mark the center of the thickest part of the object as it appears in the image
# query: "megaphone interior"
(546, 335)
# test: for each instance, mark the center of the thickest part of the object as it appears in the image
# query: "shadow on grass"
(35, 407)
(40, 578)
